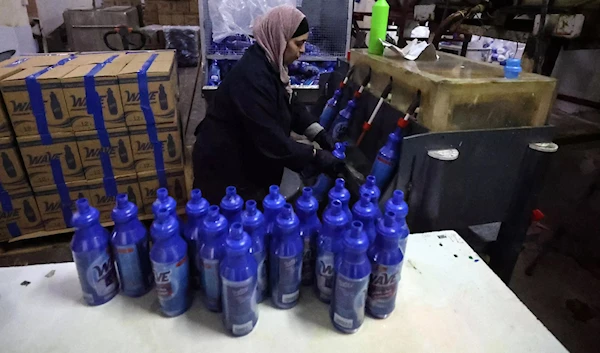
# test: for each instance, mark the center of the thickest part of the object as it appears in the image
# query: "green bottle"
(379, 22)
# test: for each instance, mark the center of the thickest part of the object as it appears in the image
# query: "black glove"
(325, 141)
(328, 164)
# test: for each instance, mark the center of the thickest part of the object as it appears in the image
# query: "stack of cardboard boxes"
(172, 12)
(81, 132)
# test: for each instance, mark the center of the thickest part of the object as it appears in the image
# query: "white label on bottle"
(290, 298)
(342, 321)
(242, 329)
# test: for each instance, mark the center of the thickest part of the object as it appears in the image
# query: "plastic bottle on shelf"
(231, 205)
(254, 224)
(379, 24)
(386, 160)
(91, 253)
(195, 209)
(397, 205)
(325, 182)
(335, 224)
(386, 260)
(211, 251)
(367, 212)
(170, 264)
(130, 246)
(353, 269)
(239, 283)
(163, 200)
(286, 254)
(339, 192)
(310, 226)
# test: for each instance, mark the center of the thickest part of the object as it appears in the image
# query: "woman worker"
(245, 140)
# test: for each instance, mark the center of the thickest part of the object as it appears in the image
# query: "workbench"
(448, 301)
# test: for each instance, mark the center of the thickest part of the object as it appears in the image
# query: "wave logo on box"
(134, 97)
(148, 146)
(20, 108)
(10, 215)
(150, 192)
(47, 157)
(108, 99)
(104, 200)
(93, 153)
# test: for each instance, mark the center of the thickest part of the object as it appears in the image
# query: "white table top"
(445, 304)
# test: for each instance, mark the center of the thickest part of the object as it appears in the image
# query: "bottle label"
(172, 286)
(383, 286)
(325, 269)
(133, 265)
(240, 308)
(348, 302)
(287, 274)
(308, 260)
(211, 282)
(262, 275)
(97, 275)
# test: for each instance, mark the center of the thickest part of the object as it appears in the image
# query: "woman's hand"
(328, 164)
(325, 140)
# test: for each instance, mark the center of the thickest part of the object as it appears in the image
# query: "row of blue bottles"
(170, 264)
(286, 252)
(254, 224)
(325, 182)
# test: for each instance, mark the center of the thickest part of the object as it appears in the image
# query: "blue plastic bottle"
(287, 249)
(331, 108)
(329, 243)
(386, 263)
(170, 264)
(238, 275)
(367, 212)
(131, 249)
(370, 186)
(231, 205)
(339, 192)
(353, 269)
(512, 69)
(339, 127)
(272, 205)
(164, 200)
(211, 251)
(386, 161)
(195, 209)
(214, 74)
(310, 226)
(397, 205)
(324, 182)
(92, 256)
(254, 224)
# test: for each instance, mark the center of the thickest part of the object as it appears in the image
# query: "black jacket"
(245, 138)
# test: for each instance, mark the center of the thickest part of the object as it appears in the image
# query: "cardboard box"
(192, 20)
(164, 7)
(98, 57)
(12, 173)
(54, 107)
(104, 200)
(181, 7)
(27, 61)
(120, 153)
(149, 183)
(108, 96)
(5, 71)
(177, 20)
(55, 211)
(162, 88)
(19, 214)
(143, 150)
(38, 152)
(194, 7)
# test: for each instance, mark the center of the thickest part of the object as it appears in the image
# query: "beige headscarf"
(273, 31)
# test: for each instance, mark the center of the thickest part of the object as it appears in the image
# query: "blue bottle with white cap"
(310, 225)
(286, 253)
(238, 277)
(195, 209)
(164, 200)
(397, 205)
(367, 212)
(131, 249)
(231, 205)
(352, 272)
(210, 253)
(170, 264)
(386, 263)
(91, 252)
(254, 224)
(329, 243)
(339, 192)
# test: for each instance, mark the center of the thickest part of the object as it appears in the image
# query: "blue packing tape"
(150, 122)
(16, 62)
(63, 191)
(6, 202)
(37, 101)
